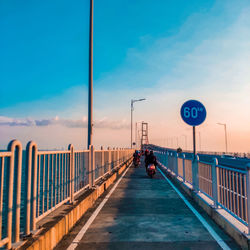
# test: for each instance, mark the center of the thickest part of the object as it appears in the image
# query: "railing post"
(166, 159)
(195, 173)
(214, 182)
(109, 161)
(176, 165)
(248, 196)
(118, 157)
(12, 147)
(31, 160)
(103, 162)
(90, 168)
(72, 173)
(183, 165)
(93, 164)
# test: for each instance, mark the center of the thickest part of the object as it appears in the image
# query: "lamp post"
(200, 139)
(172, 142)
(90, 96)
(132, 109)
(225, 129)
(185, 141)
(177, 141)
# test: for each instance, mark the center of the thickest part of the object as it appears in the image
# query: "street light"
(225, 129)
(185, 141)
(132, 109)
(177, 141)
(200, 139)
(90, 96)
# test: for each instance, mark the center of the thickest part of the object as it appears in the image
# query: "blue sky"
(44, 47)
(166, 51)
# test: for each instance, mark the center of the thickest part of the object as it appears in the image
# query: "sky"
(165, 51)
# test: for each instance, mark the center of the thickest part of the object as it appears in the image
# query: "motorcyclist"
(179, 150)
(151, 159)
(136, 156)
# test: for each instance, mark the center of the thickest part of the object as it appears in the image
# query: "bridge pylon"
(144, 133)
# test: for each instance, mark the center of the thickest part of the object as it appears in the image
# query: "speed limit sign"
(193, 113)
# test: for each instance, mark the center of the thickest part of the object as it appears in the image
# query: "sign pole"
(193, 113)
(194, 141)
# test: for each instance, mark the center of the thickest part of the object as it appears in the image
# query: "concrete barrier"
(52, 231)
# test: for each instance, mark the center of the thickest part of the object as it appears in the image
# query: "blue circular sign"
(193, 113)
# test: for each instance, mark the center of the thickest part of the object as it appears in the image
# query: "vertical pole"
(176, 164)
(90, 97)
(183, 164)
(131, 123)
(30, 207)
(34, 194)
(13, 145)
(92, 150)
(90, 167)
(118, 158)
(225, 127)
(200, 140)
(109, 161)
(248, 195)
(194, 143)
(72, 173)
(136, 135)
(214, 182)
(141, 134)
(10, 198)
(195, 173)
(103, 162)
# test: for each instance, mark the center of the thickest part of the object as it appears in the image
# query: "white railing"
(34, 182)
(228, 188)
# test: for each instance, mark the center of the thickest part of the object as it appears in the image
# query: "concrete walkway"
(144, 213)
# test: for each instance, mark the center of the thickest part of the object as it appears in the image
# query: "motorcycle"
(136, 161)
(151, 170)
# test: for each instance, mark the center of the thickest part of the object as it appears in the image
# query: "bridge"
(91, 199)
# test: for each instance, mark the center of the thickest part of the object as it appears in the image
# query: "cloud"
(69, 123)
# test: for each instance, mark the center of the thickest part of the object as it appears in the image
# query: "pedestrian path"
(144, 213)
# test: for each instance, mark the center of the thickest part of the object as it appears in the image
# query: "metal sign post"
(194, 141)
(193, 113)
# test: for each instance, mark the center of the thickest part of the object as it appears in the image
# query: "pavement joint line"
(218, 239)
(83, 230)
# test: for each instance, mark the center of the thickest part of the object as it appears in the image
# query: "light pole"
(136, 134)
(225, 129)
(90, 97)
(172, 141)
(177, 141)
(200, 139)
(185, 141)
(132, 109)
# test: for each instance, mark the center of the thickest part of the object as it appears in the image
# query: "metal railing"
(228, 188)
(33, 183)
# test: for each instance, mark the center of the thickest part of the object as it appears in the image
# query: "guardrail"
(33, 183)
(228, 188)
(235, 154)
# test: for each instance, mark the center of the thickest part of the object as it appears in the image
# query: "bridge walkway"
(144, 213)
